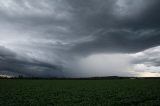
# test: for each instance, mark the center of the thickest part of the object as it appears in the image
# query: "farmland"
(124, 92)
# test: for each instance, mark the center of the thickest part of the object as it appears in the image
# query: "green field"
(80, 92)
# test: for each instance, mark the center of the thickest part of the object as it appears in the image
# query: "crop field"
(124, 92)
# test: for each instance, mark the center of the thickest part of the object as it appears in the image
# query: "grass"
(80, 92)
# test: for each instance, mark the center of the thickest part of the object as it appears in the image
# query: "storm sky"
(80, 38)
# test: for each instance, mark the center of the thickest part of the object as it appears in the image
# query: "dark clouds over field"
(80, 38)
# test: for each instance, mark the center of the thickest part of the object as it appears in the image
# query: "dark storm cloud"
(82, 19)
(56, 33)
(148, 19)
(124, 41)
(12, 62)
(119, 33)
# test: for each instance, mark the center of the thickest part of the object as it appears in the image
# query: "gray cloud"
(148, 57)
(46, 38)
(124, 41)
(120, 32)
(20, 65)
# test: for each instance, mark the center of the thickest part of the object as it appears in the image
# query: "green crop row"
(80, 92)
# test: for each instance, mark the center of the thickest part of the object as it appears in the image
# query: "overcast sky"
(80, 38)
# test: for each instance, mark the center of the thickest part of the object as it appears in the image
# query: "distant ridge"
(80, 78)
